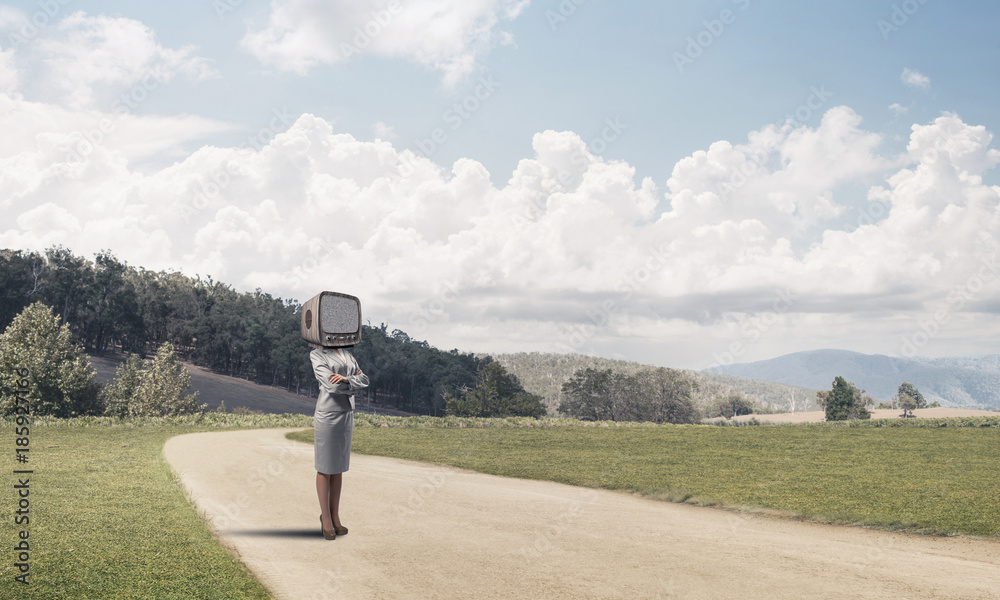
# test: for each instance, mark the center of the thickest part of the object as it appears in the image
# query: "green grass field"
(919, 479)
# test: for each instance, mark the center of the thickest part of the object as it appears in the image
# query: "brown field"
(820, 416)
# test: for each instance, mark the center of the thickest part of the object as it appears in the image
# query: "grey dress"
(333, 419)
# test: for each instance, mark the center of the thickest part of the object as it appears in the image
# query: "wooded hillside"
(112, 307)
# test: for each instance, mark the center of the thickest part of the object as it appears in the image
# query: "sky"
(680, 184)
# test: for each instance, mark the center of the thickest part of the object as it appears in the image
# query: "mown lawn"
(929, 480)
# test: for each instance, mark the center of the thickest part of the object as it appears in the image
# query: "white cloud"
(781, 177)
(915, 79)
(37, 126)
(384, 132)
(85, 61)
(78, 82)
(898, 109)
(569, 241)
(12, 19)
(446, 35)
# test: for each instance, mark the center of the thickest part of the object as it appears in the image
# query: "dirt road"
(427, 531)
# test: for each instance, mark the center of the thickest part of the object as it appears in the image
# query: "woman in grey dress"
(339, 377)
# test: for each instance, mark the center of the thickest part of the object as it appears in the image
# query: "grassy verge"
(109, 520)
(929, 478)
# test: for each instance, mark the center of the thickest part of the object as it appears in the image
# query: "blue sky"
(612, 59)
(645, 110)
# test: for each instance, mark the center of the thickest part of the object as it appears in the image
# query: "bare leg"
(336, 484)
(323, 492)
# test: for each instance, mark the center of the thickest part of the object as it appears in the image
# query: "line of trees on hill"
(109, 306)
(45, 372)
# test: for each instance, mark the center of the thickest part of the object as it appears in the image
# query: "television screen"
(332, 319)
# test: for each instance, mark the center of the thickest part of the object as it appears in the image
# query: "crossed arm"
(334, 382)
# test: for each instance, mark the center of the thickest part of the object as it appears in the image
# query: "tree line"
(110, 306)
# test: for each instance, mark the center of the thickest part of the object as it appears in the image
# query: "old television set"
(331, 320)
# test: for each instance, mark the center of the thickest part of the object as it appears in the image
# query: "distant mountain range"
(958, 381)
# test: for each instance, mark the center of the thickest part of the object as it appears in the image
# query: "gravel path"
(420, 530)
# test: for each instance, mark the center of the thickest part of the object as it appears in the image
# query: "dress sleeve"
(356, 382)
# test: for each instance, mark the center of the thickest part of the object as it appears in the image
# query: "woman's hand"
(337, 378)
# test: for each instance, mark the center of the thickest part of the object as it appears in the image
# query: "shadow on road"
(275, 533)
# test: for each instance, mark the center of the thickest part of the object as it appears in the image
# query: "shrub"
(156, 389)
(119, 393)
(62, 378)
(497, 394)
(844, 401)
(733, 405)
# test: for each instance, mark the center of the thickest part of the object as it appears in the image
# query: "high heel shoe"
(328, 534)
(338, 529)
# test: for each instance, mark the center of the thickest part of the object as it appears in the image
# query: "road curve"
(420, 530)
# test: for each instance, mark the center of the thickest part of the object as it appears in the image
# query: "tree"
(660, 395)
(112, 313)
(733, 405)
(863, 401)
(62, 378)
(587, 395)
(907, 403)
(909, 399)
(161, 386)
(497, 394)
(21, 277)
(118, 394)
(67, 281)
(843, 401)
